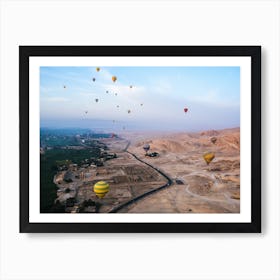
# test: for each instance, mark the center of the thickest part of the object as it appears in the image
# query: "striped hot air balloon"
(101, 188)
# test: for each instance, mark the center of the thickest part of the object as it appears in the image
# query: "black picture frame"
(254, 52)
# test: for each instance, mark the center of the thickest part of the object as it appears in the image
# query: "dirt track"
(177, 181)
(206, 189)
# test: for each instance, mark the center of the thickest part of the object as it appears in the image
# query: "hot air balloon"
(93, 79)
(107, 91)
(96, 99)
(213, 140)
(208, 157)
(114, 78)
(101, 188)
(186, 110)
(146, 147)
(97, 69)
(64, 86)
(130, 86)
(128, 111)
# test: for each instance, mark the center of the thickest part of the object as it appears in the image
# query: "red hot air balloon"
(186, 110)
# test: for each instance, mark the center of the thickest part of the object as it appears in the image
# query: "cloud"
(162, 87)
(212, 98)
(155, 99)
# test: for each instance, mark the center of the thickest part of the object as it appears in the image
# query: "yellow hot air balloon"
(97, 69)
(114, 78)
(101, 188)
(208, 157)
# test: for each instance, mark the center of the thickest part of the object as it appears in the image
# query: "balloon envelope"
(186, 110)
(213, 140)
(101, 188)
(97, 69)
(208, 157)
(146, 147)
(114, 78)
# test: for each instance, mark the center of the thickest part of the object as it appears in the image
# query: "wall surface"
(139, 256)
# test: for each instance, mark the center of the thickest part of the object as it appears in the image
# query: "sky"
(68, 98)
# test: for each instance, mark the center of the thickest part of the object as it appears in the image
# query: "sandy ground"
(213, 188)
(196, 188)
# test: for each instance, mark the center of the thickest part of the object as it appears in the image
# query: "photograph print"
(141, 138)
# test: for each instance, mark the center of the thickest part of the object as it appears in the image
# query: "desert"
(176, 180)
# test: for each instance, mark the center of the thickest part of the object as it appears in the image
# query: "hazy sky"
(211, 94)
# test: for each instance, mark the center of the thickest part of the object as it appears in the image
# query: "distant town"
(65, 151)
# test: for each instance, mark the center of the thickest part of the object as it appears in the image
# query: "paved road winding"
(139, 197)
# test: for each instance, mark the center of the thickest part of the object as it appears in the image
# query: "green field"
(48, 168)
